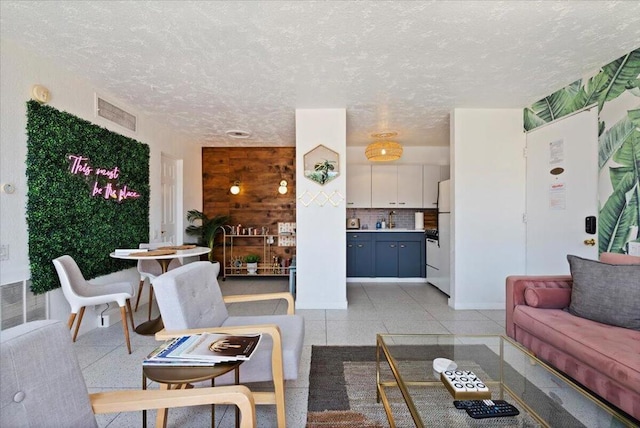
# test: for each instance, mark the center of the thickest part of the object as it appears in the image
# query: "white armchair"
(43, 386)
(190, 301)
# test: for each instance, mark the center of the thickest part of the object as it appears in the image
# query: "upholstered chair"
(190, 301)
(80, 294)
(42, 385)
(150, 269)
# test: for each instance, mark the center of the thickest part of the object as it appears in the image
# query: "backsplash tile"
(404, 218)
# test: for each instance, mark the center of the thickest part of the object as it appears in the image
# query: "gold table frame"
(385, 354)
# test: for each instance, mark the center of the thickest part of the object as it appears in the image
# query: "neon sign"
(112, 190)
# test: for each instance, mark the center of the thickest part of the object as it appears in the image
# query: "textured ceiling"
(208, 67)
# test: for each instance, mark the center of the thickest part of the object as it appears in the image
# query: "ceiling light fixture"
(383, 151)
(235, 189)
(236, 133)
(283, 187)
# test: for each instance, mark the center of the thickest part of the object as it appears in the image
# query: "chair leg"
(123, 315)
(80, 315)
(72, 318)
(150, 301)
(161, 417)
(133, 325)
(139, 293)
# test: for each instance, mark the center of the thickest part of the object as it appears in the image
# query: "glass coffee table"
(410, 391)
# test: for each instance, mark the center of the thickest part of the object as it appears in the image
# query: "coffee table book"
(205, 349)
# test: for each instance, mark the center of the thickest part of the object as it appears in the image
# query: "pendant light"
(383, 150)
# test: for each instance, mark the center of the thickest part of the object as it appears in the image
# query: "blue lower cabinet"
(386, 255)
(386, 259)
(359, 255)
(410, 262)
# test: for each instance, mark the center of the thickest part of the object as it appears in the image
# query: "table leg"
(144, 412)
(237, 379)
(153, 326)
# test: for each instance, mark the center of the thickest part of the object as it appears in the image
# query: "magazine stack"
(206, 349)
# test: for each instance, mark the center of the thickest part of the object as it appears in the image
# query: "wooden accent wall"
(259, 170)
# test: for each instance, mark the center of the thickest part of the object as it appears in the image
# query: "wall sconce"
(283, 187)
(235, 189)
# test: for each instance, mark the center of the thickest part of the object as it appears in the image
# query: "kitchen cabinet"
(431, 175)
(359, 255)
(359, 186)
(399, 254)
(396, 186)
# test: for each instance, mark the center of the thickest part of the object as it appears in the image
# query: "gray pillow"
(606, 293)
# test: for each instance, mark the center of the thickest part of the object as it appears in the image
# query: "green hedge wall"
(85, 212)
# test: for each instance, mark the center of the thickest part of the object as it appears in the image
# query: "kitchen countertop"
(386, 230)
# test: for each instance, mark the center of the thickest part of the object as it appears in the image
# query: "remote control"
(463, 404)
(491, 409)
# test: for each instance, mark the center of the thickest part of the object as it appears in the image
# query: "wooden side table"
(179, 377)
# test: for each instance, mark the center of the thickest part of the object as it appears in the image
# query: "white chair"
(43, 386)
(190, 301)
(150, 269)
(80, 293)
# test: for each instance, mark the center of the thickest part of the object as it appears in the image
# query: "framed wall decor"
(321, 165)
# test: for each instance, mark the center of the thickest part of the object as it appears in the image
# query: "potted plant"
(252, 263)
(207, 228)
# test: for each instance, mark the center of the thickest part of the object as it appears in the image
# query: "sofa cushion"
(611, 350)
(605, 293)
(547, 298)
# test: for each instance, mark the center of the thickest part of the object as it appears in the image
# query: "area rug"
(342, 390)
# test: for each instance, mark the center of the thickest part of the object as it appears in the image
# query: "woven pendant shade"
(383, 151)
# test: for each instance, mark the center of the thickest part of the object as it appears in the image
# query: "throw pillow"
(547, 298)
(606, 293)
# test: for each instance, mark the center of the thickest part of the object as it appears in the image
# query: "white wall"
(410, 155)
(488, 201)
(20, 70)
(321, 238)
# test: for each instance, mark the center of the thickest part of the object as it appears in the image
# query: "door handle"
(590, 242)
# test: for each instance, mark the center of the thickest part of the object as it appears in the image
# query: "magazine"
(204, 349)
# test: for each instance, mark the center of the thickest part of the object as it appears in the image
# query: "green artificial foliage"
(63, 214)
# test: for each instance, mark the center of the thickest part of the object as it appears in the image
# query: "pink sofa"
(603, 358)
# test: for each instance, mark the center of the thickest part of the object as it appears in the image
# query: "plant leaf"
(622, 74)
(613, 139)
(618, 215)
(558, 104)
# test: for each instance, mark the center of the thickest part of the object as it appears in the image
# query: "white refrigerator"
(438, 252)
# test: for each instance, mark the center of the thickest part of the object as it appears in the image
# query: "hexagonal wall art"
(321, 165)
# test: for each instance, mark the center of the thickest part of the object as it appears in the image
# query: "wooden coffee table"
(541, 393)
(180, 377)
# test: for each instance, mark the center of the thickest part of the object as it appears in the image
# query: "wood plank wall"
(259, 170)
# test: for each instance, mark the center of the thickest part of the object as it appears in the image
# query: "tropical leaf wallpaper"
(618, 142)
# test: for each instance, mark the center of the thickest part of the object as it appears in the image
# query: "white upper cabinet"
(396, 186)
(431, 174)
(409, 186)
(384, 186)
(358, 186)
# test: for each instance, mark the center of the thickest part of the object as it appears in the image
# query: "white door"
(169, 182)
(561, 191)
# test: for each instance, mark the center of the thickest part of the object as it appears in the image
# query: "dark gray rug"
(342, 390)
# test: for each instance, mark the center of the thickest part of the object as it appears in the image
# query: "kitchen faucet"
(392, 224)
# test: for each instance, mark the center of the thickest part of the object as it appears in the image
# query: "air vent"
(115, 114)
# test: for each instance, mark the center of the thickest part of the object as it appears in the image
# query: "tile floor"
(373, 308)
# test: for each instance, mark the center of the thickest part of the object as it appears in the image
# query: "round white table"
(155, 325)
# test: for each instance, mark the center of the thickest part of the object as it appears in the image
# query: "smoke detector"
(237, 133)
